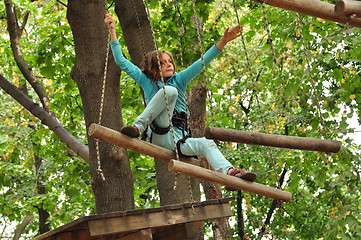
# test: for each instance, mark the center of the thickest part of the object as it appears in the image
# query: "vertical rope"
(163, 85)
(198, 26)
(177, 174)
(269, 39)
(99, 169)
(165, 97)
(139, 29)
(270, 42)
(309, 71)
(243, 42)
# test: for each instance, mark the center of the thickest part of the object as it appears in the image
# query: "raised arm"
(229, 35)
(192, 71)
(132, 70)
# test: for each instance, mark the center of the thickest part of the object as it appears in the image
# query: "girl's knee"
(171, 91)
(206, 143)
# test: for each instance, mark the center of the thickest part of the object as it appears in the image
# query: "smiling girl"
(149, 78)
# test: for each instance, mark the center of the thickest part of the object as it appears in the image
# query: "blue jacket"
(179, 80)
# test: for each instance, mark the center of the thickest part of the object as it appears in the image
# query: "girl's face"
(167, 65)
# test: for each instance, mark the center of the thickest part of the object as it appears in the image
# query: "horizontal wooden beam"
(230, 181)
(348, 8)
(117, 138)
(174, 215)
(272, 140)
(314, 8)
(119, 225)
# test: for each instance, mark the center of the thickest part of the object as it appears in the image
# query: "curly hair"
(149, 65)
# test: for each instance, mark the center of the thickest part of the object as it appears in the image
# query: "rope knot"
(100, 173)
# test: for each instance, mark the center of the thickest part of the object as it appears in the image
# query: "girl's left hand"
(232, 33)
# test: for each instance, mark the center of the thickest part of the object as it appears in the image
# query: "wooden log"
(313, 8)
(272, 140)
(117, 138)
(230, 181)
(348, 8)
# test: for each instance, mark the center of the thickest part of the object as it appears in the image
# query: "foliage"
(46, 45)
(280, 97)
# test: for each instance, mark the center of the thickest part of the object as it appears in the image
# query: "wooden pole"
(117, 138)
(314, 8)
(272, 140)
(230, 181)
(348, 8)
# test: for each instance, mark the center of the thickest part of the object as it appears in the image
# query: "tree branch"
(273, 205)
(22, 226)
(72, 142)
(62, 3)
(15, 35)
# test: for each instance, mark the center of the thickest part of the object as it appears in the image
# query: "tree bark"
(86, 19)
(197, 107)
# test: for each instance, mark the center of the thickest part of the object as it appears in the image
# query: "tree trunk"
(86, 19)
(44, 226)
(139, 38)
(197, 108)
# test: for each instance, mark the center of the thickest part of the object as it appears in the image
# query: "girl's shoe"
(130, 131)
(246, 175)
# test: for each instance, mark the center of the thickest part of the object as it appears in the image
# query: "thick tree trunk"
(138, 36)
(86, 19)
(197, 108)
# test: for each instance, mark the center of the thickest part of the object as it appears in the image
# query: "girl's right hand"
(109, 21)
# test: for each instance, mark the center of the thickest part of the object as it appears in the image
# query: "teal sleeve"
(192, 71)
(132, 70)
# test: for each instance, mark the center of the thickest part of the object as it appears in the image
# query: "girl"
(155, 115)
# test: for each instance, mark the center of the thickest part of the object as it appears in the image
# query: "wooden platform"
(176, 222)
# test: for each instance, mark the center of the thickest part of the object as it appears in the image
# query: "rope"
(99, 169)
(198, 26)
(159, 68)
(243, 42)
(139, 29)
(178, 173)
(269, 39)
(309, 71)
(163, 85)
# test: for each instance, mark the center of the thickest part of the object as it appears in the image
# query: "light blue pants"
(157, 110)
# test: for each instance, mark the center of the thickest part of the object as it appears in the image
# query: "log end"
(92, 129)
(339, 8)
(208, 133)
(337, 147)
(171, 165)
(287, 197)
